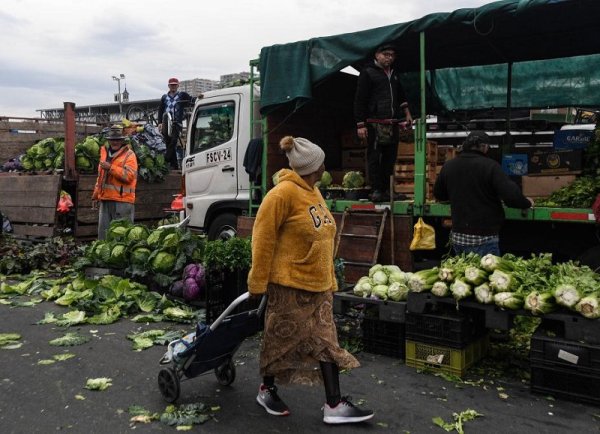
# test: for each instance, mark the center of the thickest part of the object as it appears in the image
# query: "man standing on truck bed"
(379, 103)
(476, 186)
(172, 103)
(117, 179)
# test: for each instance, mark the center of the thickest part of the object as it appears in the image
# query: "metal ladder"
(358, 241)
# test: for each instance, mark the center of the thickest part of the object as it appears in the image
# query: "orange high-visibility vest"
(117, 183)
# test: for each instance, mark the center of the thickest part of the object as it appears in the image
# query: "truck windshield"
(212, 126)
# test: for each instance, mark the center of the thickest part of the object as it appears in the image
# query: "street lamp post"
(118, 80)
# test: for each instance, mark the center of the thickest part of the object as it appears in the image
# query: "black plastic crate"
(222, 288)
(450, 329)
(567, 384)
(384, 310)
(548, 347)
(384, 337)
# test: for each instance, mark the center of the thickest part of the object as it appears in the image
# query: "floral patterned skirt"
(300, 333)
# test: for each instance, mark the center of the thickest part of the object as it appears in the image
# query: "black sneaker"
(345, 412)
(268, 398)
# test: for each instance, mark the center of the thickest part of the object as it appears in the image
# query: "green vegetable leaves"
(101, 383)
(459, 418)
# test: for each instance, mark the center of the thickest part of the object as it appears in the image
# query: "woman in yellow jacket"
(117, 178)
(292, 261)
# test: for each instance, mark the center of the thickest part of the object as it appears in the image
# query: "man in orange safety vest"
(117, 178)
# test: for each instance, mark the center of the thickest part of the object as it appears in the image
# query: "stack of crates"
(222, 288)
(445, 341)
(564, 368)
(378, 323)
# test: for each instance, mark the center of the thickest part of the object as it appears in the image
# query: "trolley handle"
(235, 304)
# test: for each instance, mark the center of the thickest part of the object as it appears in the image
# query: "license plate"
(218, 156)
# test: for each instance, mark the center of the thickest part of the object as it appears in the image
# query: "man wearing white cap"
(172, 103)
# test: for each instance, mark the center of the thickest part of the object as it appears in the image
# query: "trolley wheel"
(225, 373)
(168, 384)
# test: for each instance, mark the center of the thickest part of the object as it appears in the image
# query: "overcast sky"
(68, 50)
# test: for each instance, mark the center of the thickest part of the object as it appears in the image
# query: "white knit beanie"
(304, 156)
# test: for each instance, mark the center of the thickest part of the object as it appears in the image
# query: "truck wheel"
(591, 258)
(223, 227)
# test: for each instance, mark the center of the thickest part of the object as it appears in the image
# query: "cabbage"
(399, 277)
(163, 262)
(363, 287)
(380, 291)
(326, 179)
(89, 147)
(171, 240)
(380, 278)
(375, 268)
(397, 291)
(82, 163)
(137, 233)
(353, 180)
(117, 230)
(191, 290)
(139, 256)
(177, 288)
(118, 255)
(154, 237)
(201, 277)
(190, 270)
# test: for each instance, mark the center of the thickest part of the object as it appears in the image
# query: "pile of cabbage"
(159, 254)
(192, 285)
(383, 282)
(511, 282)
(49, 154)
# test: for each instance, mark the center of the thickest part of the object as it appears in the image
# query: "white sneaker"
(345, 412)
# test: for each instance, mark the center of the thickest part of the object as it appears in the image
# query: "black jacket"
(476, 186)
(377, 96)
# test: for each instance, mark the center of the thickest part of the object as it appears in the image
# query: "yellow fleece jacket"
(293, 239)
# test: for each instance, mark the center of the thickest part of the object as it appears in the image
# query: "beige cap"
(304, 156)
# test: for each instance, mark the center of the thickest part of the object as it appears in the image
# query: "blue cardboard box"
(572, 139)
(514, 164)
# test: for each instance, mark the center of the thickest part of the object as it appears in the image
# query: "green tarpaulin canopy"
(456, 45)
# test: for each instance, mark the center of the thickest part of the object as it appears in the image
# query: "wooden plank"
(86, 215)
(33, 231)
(85, 231)
(33, 197)
(28, 214)
(22, 184)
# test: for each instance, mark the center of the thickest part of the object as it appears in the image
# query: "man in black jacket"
(379, 104)
(476, 186)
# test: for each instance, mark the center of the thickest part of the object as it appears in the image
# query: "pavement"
(38, 398)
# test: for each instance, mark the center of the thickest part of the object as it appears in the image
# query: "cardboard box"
(354, 159)
(555, 162)
(572, 139)
(543, 186)
(514, 164)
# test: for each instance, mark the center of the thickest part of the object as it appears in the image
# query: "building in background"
(235, 79)
(196, 86)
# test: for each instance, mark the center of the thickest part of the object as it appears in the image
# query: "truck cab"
(217, 187)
